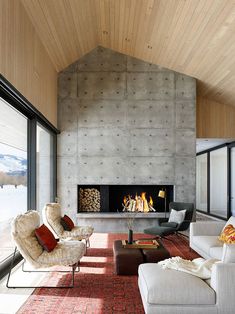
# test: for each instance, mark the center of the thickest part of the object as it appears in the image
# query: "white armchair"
(51, 215)
(23, 234)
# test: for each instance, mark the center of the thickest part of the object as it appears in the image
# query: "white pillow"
(177, 216)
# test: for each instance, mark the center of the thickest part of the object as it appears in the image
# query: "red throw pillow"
(46, 238)
(67, 223)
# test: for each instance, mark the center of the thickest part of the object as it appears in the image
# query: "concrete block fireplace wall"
(124, 121)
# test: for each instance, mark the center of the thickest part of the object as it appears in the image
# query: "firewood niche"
(119, 198)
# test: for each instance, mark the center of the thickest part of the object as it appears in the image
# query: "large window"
(218, 182)
(13, 172)
(27, 163)
(232, 191)
(215, 181)
(201, 182)
(44, 173)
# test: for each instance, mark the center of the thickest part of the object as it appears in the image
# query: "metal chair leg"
(88, 243)
(60, 287)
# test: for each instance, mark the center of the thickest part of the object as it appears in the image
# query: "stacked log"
(89, 200)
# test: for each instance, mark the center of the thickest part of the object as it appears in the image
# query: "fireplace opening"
(119, 198)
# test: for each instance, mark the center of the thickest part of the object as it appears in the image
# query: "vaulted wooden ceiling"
(194, 37)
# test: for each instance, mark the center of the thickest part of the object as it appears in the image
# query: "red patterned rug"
(98, 290)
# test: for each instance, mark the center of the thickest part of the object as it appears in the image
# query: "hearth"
(116, 198)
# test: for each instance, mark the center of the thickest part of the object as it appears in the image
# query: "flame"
(138, 203)
(143, 196)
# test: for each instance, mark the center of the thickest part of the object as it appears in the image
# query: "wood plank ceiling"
(194, 37)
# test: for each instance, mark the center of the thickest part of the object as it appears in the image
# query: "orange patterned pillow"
(228, 234)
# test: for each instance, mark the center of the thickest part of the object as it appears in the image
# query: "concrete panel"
(67, 144)
(150, 114)
(185, 193)
(68, 200)
(102, 170)
(150, 170)
(148, 86)
(101, 85)
(102, 142)
(185, 87)
(101, 59)
(67, 85)
(137, 65)
(185, 114)
(67, 114)
(185, 142)
(101, 113)
(152, 142)
(71, 68)
(185, 170)
(67, 170)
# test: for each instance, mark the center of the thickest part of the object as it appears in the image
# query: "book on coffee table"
(141, 244)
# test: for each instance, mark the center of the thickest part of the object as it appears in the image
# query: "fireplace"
(114, 198)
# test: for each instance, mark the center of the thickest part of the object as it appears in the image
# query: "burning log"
(138, 204)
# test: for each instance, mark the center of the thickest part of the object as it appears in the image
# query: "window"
(27, 163)
(13, 172)
(44, 172)
(215, 181)
(201, 182)
(232, 196)
(218, 182)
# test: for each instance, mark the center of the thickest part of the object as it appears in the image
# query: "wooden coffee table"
(127, 260)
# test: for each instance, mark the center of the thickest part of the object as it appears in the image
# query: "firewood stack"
(89, 200)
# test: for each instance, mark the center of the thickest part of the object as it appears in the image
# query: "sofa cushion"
(216, 252)
(231, 221)
(206, 242)
(78, 233)
(228, 234)
(67, 223)
(228, 255)
(65, 253)
(177, 216)
(167, 286)
(45, 238)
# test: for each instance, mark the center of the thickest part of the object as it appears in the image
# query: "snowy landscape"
(13, 192)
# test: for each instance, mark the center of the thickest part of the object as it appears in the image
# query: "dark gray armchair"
(164, 228)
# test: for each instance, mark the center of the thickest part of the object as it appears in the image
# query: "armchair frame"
(41, 271)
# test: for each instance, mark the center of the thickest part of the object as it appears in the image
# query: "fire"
(143, 196)
(138, 204)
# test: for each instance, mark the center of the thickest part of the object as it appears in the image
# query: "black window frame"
(208, 152)
(12, 96)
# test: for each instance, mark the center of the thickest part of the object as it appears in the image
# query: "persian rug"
(98, 290)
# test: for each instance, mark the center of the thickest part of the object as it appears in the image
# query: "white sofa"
(167, 291)
(204, 238)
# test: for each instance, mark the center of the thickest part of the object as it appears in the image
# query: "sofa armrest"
(222, 281)
(207, 228)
